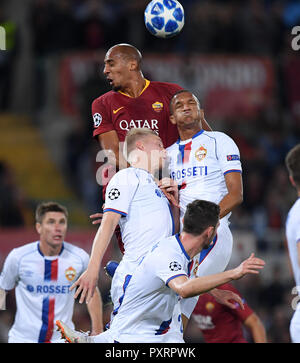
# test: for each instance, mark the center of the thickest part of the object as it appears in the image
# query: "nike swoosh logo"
(117, 110)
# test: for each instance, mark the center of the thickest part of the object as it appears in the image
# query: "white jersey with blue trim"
(147, 309)
(199, 165)
(42, 287)
(145, 212)
(293, 238)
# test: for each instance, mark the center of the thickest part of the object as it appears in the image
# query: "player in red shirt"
(133, 102)
(220, 324)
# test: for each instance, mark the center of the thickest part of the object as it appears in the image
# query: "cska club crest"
(70, 273)
(200, 153)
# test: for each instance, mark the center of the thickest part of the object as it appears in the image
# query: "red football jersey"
(120, 112)
(218, 323)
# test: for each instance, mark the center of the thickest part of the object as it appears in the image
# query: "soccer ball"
(164, 18)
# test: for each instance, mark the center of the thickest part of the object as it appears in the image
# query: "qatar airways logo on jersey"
(49, 289)
(189, 172)
(127, 125)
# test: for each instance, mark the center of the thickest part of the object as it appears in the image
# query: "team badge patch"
(70, 273)
(200, 153)
(114, 194)
(196, 268)
(157, 106)
(97, 119)
(175, 266)
(209, 306)
(233, 157)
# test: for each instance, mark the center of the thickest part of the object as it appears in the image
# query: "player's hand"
(86, 285)
(251, 265)
(170, 189)
(99, 217)
(227, 298)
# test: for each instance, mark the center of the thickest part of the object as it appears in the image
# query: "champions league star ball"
(164, 18)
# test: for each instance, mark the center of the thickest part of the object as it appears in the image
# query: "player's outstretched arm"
(192, 287)
(258, 331)
(234, 197)
(87, 282)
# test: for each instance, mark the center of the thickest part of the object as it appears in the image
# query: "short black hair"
(292, 162)
(46, 207)
(199, 215)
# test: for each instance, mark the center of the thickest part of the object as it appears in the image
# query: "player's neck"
(135, 86)
(48, 250)
(186, 134)
(192, 244)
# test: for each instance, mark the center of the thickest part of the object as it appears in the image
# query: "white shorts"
(210, 261)
(295, 326)
(119, 284)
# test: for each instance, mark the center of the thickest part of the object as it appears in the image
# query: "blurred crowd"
(254, 27)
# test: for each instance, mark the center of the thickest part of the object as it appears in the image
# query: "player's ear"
(133, 66)
(38, 227)
(139, 145)
(172, 119)
(292, 181)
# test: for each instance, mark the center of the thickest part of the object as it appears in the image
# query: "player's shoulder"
(294, 212)
(217, 135)
(172, 246)
(171, 87)
(126, 176)
(131, 172)
(24, 250)
(75, 250)
(173, 147)
(105, 97)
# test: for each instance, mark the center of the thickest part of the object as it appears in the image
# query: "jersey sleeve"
(9, 274)
(187, 306)
(101, 117)
(170, 266)
(120, 192)
(228, 154)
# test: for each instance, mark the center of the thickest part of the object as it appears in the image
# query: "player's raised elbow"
(185, 292)
(239, 198)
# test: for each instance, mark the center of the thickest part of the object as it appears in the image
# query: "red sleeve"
(101, 117)
(172, 131)
(242, 315)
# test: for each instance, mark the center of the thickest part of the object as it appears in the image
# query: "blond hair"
(134, 135)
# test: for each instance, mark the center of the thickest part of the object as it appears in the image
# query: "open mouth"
(110, 81)
(57, 237)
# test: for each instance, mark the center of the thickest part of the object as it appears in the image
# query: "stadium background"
(236, 56)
